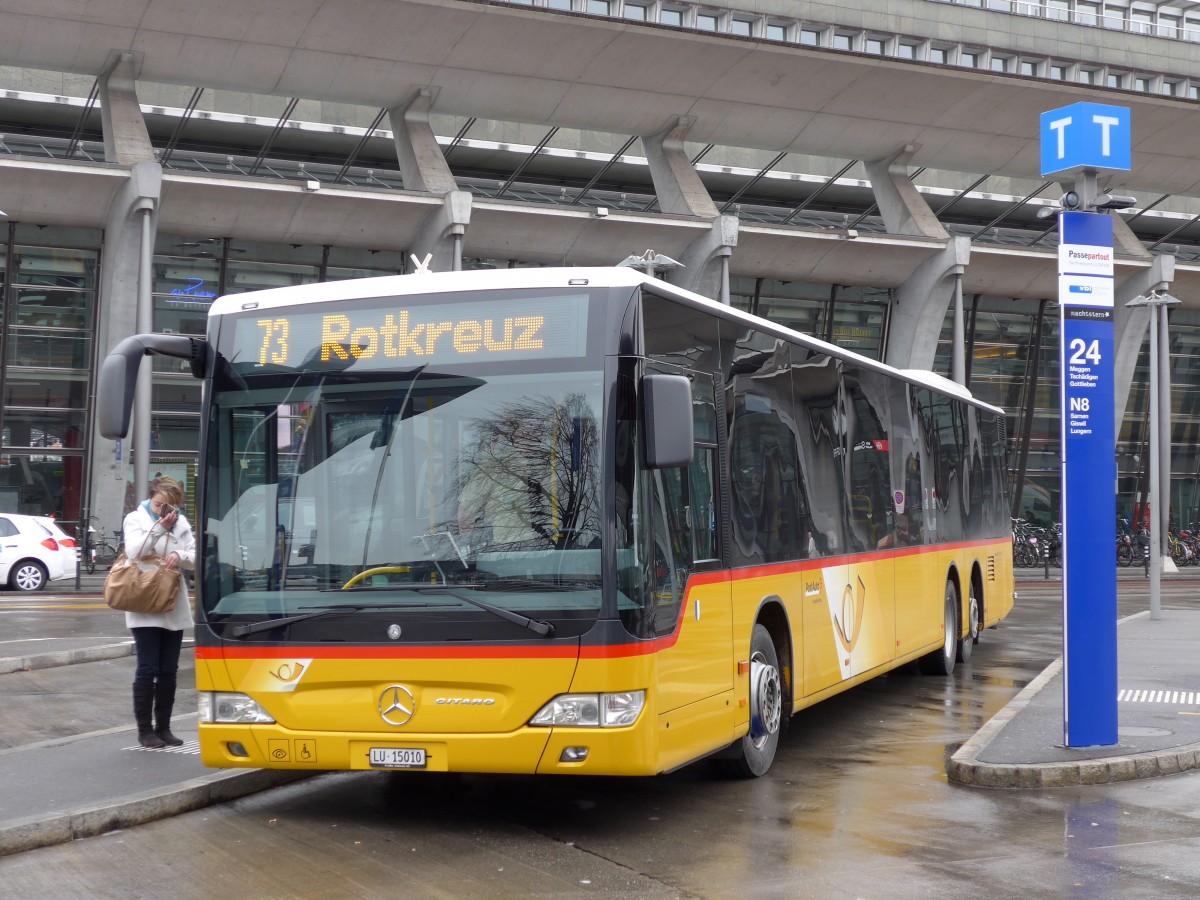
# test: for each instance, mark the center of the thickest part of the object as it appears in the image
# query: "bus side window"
(655, 521)
(682, 512)
(818, 448)
(702, 516)
(868, 477)
(672, 552)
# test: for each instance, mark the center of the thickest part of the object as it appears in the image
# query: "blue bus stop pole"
(1089, 474)
(1076, 142)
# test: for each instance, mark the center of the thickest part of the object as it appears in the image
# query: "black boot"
(143, 700)
(164, 702)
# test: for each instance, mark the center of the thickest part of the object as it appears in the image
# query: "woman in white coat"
(158, 637)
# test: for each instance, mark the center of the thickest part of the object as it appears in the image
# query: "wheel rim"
(29, 578)
(973, 616)
(951, 637)
(766, 700)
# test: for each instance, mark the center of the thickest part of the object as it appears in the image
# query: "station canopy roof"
(537, 107)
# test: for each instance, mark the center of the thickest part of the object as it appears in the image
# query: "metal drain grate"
(190, 748)
(1174, 698)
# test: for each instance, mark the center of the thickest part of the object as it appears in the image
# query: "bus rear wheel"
(966, 643)
(941, 661)
(752, 756)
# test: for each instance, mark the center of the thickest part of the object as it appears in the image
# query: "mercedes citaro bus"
(559, 520)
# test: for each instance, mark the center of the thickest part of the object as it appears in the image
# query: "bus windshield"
(342, 488)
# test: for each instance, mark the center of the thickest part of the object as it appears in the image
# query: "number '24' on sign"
(1084, 352)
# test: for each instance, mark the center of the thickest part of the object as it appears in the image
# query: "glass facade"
(47, 324)
(191, 272)
(849, 316)
(48, 320)
(50, 277)
(1013, 364)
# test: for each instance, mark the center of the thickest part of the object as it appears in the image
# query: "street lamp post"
(1160, 429)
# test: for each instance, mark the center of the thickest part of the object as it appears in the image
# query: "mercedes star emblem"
(396, 705)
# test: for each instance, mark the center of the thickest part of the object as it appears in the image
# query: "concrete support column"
(679, 189)
(422, 164)
(1130, 326)
(1125, 242)
(920, 304)
(125, 301)
(903, 208)
(441, 234)
(706, 261)
(125, 307)
(958, 353)
(126, 140)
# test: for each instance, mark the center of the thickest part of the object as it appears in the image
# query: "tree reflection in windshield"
(435, 477)
(529, 478)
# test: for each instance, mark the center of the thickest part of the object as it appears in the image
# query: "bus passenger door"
(697, 663)
(867, 609)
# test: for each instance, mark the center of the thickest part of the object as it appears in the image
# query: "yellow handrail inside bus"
(378, 570)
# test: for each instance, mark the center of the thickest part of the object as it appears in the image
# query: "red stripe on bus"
(424, 651)
(850, 559)
(568, 651)
(482, 651)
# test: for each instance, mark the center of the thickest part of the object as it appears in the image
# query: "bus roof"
(434, 283)
(553, 277)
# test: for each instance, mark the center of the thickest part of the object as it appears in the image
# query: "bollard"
(80, 540)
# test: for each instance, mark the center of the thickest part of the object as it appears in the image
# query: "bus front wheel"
(941, 661)
(751, 756)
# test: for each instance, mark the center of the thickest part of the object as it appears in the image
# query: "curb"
(65, 657)
(965, 768)
(139, 809)
(71, 657)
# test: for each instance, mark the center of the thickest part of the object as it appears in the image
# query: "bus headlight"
(222, 707)
(592, 710)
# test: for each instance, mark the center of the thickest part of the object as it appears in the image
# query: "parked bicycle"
(1182, 547)
(97, 551)
(1034, 545)
(1125, 548)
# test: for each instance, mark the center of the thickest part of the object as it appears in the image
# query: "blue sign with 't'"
(1086, 136)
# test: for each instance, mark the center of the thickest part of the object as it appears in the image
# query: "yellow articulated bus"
(568, 521)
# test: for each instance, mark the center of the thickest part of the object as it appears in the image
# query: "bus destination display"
(384, 333)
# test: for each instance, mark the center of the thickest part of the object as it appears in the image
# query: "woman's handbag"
(141, 585)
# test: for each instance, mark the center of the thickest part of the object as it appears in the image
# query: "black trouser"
(157, 654)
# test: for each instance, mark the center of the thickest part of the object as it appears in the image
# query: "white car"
(34, 551)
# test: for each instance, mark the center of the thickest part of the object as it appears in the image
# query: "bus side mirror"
(119, 373)
(114, 393)
(667, 412)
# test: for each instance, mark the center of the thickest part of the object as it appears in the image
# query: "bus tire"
(752, 755)
(966, 643)
(941, 661)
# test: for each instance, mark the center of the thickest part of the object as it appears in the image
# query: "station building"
(868, 173)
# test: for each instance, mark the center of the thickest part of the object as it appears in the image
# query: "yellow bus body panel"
(330, 718)
(847, 620)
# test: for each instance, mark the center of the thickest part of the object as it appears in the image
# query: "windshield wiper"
(537, 626)
(243, 630)
(267, 625)
(533, 585)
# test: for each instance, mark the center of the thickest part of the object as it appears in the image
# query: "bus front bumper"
(558, 750)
